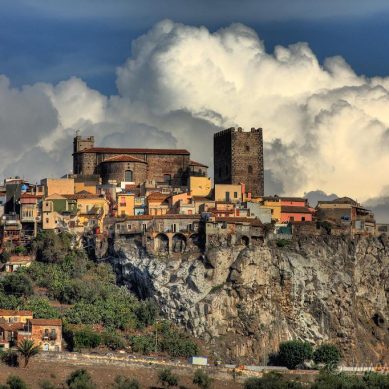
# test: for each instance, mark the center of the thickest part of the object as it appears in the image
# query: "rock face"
(243, 301)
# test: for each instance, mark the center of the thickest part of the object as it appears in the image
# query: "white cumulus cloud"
(325, 127)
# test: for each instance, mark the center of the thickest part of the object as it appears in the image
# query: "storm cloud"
(324, 126)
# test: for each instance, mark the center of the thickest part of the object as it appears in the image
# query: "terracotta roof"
(194, 163)
(11, 326)
(19, 258)
(124, 158)
(157, 196)
(46, 322)
(28, 196)
(109, 150)
(292, 209)
(14, 312)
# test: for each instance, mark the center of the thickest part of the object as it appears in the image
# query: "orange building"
(157, 203)
(46, 333)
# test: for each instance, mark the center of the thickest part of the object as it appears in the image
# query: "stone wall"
(238, 158)
(116, 171)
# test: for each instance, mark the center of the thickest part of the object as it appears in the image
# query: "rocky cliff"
(243, 301)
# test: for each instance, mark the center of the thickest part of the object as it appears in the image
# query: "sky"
(170, 73)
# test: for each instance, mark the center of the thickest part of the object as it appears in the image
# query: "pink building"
(295, 213)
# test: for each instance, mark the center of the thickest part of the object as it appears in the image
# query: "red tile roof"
(11, 326)
(194, 163)
(157, 196)
(46, 322)
(13, 312)
(19, 259)
(109, 150)
(292, 209)
(82, 195)
(168, 216)
(124, 158)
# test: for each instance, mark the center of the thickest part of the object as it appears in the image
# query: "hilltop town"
(165, 204)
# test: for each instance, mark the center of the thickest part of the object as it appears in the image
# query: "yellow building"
(59, 186)
(229, 193)
(14, 316)
(157, 204)
(91, 209)
(126, 204)
(200, 186)
(275, 206)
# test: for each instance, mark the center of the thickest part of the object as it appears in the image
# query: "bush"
(51, 247)
(17, 284)
(41, 308)
(271, 381)
(81, 339)
(282, 242)
(146, 313)
(10, 358)
(341, 381)
(125, 383)
(167, 378)
(80, 379)
(294, 352)
(143, 344)
(15, 382)
(113, 341)
(46, 385)
(202, 379)
(328, 354)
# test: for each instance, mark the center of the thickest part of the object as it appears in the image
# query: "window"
(167, 178)
(128, 176)
(235, 195)
(189, 212)
(291, 219)
(144, 227)
(303, 219)
(250, 169)
(227, 196)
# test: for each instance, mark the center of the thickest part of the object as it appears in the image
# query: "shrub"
(113, 341)
(17, 284)
(375, 380)
(46, 385)
(80, 379)
(294, 352)
(125, 383)
(20, 250)
(10, 358)
(202, 379)
(80, 339)
(146, 313)
(142, 344)
(282, 242)
(328, 354)
(271, 381)
(51, 247)
(342, 381)
(41, 308)
(167, 378)
(15, 382)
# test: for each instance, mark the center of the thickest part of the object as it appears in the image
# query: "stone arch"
(245, 240)
(179, 243)
(161, 243)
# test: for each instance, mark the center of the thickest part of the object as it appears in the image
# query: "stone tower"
(238, 158)
(79, 144)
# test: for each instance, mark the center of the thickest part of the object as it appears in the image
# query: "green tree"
(202, 379)
(125, 383)
(328, 354)
(41, 307)
(80, 379)
(113, 341)
(51, 247)
(17, 284)
(294, 352)
(143, 344)
(46, 385)
(167, 378)
(327, 380)
(27, 350)
(146, 313)
(85, 338)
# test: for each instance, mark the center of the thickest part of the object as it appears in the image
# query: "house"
(58, 186)
(291, 213)
(157, 203)
(17, 261)
(258, 211)
(30, 213)
(46, 333)
(346, 211)
(229, 193)
(15, 316)
(8, 333)
(125, 204)
(58, 212)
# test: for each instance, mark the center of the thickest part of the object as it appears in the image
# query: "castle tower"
(238, 158)
(79, 144)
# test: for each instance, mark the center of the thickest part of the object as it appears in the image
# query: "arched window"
(128, 176)
(250, 169)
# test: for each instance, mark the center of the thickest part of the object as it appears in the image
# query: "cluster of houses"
(163, 201)
(16, 325)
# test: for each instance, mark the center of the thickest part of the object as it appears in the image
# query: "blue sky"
(49, 41)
